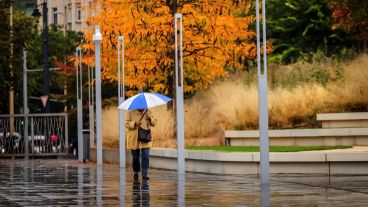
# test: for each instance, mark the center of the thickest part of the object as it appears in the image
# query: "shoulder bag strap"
(143, 115)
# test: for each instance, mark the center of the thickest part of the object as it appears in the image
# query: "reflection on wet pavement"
(140, 193)
(68, 183)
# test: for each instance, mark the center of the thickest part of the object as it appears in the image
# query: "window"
(69, 13)
(90, 10)
(78, 12)
(29, 8)
(55, 15)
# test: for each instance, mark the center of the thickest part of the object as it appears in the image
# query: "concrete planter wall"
(301, 137)
(344, 120)
(353, 163)
(337, 129)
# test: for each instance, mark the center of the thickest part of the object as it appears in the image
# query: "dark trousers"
(145, 160)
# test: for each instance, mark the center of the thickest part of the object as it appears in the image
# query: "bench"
(343, 120)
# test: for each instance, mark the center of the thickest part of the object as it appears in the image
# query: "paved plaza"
(68, 183)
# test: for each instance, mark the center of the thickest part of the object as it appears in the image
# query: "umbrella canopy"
(144, 101)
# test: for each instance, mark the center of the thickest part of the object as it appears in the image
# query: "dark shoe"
(145, 177)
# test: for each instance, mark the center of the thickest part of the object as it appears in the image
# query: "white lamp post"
(179, 92)
(262, 97)
(97, 37)
(78, 57)
(121, 97)
(180, 107)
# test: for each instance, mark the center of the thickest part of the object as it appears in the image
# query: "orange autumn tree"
(352, 16)
(217, 39)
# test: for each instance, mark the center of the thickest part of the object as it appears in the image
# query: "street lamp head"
(36, 14)
(97, 36)
(178, 16)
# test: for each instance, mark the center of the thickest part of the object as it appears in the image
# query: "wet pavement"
(68, 183)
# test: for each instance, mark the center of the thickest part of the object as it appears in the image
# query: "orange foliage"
(216, 39)
(352, 16)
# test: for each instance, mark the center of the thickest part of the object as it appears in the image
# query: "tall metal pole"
(11, 88)
(78, 57)
(97, 37)
(121, 95)
(262, 99)
(25, 102)
(179, 92)
(46, 55)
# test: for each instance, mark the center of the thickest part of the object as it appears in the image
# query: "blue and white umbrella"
(144, 101)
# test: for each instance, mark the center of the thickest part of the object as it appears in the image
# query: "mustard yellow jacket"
(132, 130)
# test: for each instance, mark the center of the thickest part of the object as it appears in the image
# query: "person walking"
(139, 119)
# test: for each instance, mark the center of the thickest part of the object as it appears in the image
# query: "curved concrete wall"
(332, 163)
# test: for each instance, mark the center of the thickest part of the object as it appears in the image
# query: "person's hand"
(148, 119)
(137, 124)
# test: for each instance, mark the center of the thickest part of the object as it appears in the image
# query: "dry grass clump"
(110, 127)
(351, 93)
(292, 107)
(163, 132)
(320, 71)
(233, 104)
(236, 103)
(296, 93)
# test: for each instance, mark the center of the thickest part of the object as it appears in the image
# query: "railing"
(34, 134)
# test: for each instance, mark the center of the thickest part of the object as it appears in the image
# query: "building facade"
(69, 14)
